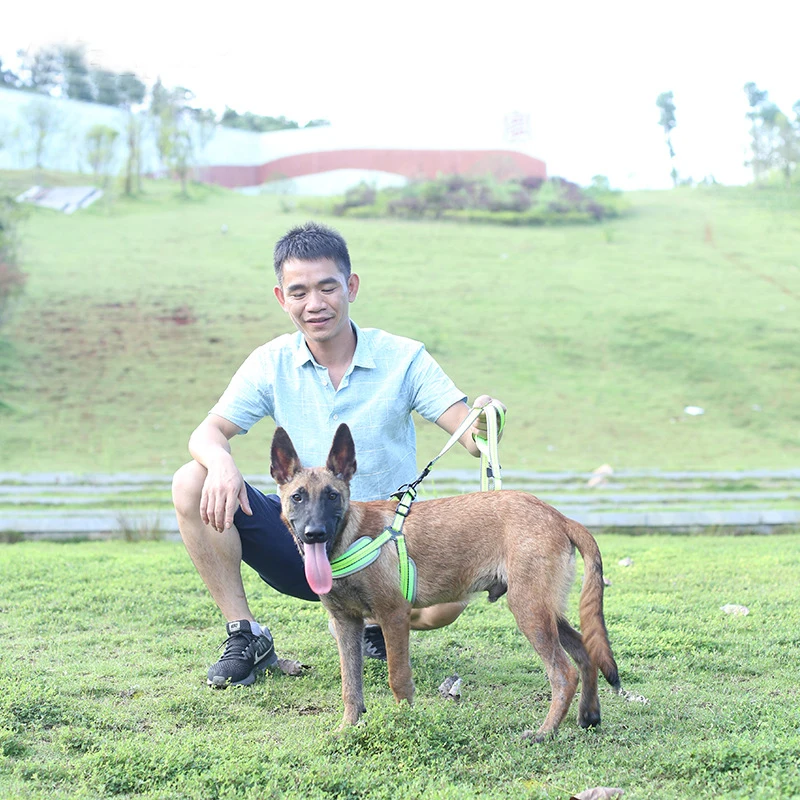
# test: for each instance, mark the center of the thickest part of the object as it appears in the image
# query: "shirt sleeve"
(432, 390)
(249, 396)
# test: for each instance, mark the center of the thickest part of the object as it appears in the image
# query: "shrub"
(12, 279)
(526, 201)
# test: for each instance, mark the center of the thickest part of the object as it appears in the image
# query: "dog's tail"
(593, 624)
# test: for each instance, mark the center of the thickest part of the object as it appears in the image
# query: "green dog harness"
(365, 550)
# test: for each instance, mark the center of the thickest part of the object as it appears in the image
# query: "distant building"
(320, 160)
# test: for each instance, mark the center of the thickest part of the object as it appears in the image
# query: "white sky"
(588, 73)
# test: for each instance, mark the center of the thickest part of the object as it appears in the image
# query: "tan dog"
(486, 541)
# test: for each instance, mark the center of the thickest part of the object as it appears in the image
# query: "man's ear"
(342, 457)
(285, 463)
(353, 282)
(278, 292)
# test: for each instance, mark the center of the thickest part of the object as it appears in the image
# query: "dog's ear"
(342, 457)
(285, 463)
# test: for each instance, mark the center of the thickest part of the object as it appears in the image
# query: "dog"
(504, 542)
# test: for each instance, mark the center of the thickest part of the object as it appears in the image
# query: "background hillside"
(597, 337)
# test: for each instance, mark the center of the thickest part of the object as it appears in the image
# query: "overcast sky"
(587, 73)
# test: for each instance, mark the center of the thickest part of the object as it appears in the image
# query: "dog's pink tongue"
(318, 568)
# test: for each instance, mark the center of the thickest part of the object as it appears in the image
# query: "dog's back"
(478, 542)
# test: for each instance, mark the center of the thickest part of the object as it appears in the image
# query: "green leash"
(365, 550)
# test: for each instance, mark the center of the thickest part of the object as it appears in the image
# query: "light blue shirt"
(390, 377)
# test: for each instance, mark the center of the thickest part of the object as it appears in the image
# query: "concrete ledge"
(152, 524)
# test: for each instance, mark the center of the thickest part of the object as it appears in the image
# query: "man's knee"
(433, 617)
(187, 486)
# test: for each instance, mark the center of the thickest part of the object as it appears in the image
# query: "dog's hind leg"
(539, 625)
(572, 641)
(349, 635)
(395, 629)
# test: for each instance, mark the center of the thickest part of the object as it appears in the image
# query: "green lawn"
(105, 647)
(596, 337)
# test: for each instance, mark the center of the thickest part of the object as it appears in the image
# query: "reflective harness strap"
(365, 550)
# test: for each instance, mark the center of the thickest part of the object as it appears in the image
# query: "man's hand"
(479, 427)
(223, 492)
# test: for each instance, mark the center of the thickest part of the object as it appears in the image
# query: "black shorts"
(269, 547)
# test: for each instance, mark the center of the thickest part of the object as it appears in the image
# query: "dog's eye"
(333, 495)
(297, 498)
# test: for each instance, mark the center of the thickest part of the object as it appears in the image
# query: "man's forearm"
(208, 444)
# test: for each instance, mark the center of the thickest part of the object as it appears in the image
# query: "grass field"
(105, 647)
(596, 337)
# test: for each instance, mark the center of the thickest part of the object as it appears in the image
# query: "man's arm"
(224, 489)
(457, 413)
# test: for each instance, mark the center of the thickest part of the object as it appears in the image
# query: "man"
(310, 382)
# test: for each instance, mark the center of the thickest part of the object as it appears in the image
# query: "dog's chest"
(349, 595)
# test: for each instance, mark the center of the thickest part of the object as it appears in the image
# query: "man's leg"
(422, 619)
(427, 619)
(217, 557)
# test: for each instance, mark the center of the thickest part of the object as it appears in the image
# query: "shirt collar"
(362, 357)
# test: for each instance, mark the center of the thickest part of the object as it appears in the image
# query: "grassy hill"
(596, 337)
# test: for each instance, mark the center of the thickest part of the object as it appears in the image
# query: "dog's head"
(314, 500)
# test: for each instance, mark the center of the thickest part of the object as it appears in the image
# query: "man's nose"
(316, 300)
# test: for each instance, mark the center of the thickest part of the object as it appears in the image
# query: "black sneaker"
(374, 643)
(244, 655)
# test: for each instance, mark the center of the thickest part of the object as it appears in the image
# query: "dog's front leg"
(349, 636)
(395, 631)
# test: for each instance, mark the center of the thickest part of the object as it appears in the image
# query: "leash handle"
(491, 478)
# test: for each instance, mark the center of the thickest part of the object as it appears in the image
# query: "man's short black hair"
(311, 242)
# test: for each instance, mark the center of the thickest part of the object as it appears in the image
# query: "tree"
(77, 84)
(8, 79)
(43, 68)
(172, 119)
(180, 157)
(667, 122)
(106, 87)
(167, 109)
(100, 141)
(43, 119)
(131, 92)
(133, 163)
(12, 278)
(255, 122)
(775, 138)
(787, 151)
(761, 116)
(205, 126)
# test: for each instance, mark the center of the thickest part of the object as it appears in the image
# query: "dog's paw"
(538, 736)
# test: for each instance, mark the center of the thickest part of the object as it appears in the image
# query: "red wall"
(502, 164)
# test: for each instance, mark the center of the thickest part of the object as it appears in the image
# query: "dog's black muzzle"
(313, 535)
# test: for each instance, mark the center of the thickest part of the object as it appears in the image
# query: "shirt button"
(336, 416)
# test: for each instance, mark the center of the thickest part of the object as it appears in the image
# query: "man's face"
(317, 297)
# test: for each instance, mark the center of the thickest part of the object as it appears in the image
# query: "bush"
(12, 279)
(525, 201)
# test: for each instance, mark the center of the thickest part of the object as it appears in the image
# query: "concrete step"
(138, 506)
